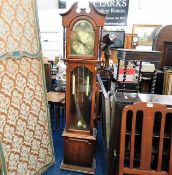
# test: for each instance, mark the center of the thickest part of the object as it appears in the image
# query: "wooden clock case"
(79, 144)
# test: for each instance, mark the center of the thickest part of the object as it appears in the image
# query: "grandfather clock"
(82, 37)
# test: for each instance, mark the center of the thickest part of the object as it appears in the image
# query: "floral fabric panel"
(18, 27)
(24, 129)
(25, 133)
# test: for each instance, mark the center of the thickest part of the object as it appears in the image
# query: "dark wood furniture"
(81, 44)
(167, 61)
(47, 68)
(118, 102)
(129, 43)
(144, 139)
(162, 42)
(136, 56)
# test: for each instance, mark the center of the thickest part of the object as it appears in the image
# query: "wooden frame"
(167, 89)
(70, 67)
(145, 33)
(96, 40)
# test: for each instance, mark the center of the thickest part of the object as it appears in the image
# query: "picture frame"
(170, 86)
(145, 33)
(116, 37)
(167, 86)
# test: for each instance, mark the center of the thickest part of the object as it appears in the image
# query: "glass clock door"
(80, 94)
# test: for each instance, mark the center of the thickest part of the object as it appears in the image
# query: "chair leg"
(57, 117)
(51, 108)
(63, 113)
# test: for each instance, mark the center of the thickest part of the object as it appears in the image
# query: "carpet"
(58, 149)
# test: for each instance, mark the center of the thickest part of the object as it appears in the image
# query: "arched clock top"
(79, 18)
(86, 66)
(95, 15)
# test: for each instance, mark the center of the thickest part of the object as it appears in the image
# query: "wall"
(140, 12)
(51, 32)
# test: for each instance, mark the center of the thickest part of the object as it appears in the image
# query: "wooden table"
(56, 97)
(56, 100)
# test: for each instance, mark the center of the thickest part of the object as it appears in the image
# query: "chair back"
(145, 142)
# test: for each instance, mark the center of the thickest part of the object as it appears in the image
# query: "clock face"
(135, 39)
(82, 39)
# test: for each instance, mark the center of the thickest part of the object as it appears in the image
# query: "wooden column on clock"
(82, 28)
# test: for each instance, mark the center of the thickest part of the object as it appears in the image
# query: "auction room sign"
(116, 10)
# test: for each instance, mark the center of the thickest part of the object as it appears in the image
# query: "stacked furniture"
(120, 100)
(137, 57)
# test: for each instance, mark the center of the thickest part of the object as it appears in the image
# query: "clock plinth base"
(76, 168)
(79, 153)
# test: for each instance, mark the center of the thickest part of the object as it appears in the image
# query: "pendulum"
(83, 85)
(87, 86)
(78, 83)
(73, 84)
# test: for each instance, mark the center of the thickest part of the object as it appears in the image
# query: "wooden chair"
(146, 134)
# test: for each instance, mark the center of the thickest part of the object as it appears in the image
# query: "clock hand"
(86, 47)
(84, 44)
(80, 41)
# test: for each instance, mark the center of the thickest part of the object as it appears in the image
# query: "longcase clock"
(82, 38)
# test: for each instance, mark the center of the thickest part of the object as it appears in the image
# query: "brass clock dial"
(82, 39)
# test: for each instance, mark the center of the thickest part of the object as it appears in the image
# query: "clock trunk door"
(81, 98)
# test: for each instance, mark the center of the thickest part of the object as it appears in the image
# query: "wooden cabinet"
(120, 100)
(145, 139)
(129, 41)
(82, 43)
(167, 59)
(80, 152)
(162, 42)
